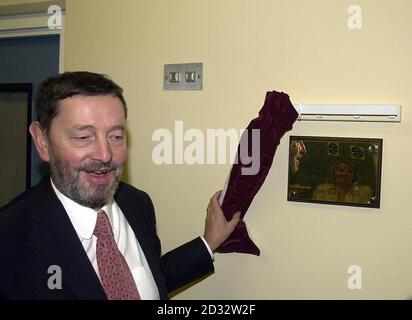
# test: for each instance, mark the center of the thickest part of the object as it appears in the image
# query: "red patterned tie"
(115, 275)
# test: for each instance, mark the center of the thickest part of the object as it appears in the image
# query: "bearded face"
(86, 148)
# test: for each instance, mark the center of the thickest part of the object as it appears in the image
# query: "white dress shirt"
(84, 221)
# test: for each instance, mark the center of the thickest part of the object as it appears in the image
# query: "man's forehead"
(93, 111)
(80, 98)
(91, 105)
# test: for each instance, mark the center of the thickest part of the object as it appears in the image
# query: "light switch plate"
(190, 76)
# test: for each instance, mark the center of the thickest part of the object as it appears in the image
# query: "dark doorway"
(15, 160)
(30, 60)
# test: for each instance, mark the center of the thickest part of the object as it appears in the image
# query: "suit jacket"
(36, 233)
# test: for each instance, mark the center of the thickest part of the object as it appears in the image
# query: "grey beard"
(67, 181)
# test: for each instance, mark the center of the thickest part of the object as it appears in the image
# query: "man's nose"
(103, 151)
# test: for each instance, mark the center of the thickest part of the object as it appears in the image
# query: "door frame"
(23, 88)
(32, 20)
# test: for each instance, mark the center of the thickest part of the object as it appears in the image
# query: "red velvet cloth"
(275, 118)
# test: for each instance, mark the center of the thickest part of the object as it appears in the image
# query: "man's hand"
(217, 228)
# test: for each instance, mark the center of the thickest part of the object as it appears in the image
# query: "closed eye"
(82, 141)
(117, 138)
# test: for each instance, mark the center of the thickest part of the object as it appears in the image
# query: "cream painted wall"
(248, 47)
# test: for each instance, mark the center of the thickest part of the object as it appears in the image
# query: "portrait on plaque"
(333, 170)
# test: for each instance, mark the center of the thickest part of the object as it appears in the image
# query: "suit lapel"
(53, 234)
(56, 239)
(135, 217)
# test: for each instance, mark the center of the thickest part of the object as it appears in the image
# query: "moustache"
(99, 166)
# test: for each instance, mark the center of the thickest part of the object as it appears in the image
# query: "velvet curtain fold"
(275, 118)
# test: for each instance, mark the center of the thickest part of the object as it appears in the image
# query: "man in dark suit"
(51, 241)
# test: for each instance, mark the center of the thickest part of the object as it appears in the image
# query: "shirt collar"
(83, 218)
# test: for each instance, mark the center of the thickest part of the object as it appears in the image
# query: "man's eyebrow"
(117, 127)
(84, 127)
(90, 127)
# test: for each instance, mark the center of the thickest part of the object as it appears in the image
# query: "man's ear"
(40, 140)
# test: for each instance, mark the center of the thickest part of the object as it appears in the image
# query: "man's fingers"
(215, 197)
(214, 201)
(217, 228)
(235, 219)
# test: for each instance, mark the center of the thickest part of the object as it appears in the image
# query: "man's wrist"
(208, 248)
